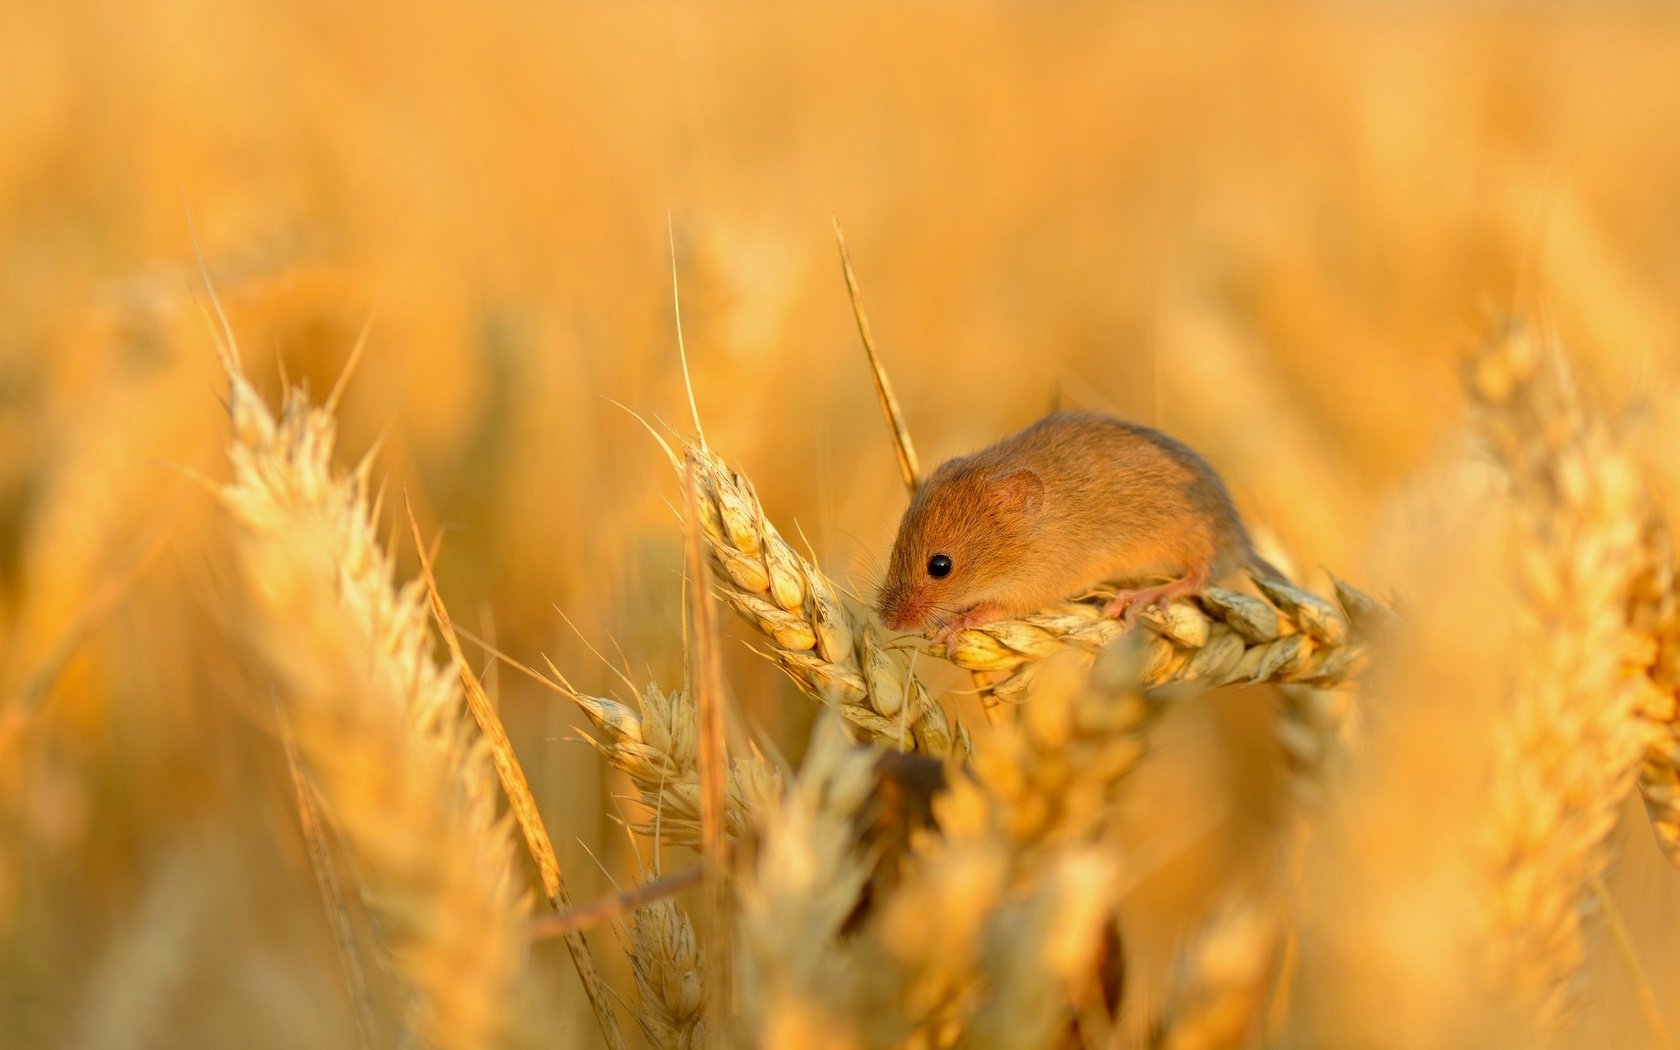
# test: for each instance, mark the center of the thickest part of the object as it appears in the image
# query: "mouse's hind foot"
(1125, 605)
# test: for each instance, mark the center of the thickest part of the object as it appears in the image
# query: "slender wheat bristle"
(1568, 747)
(378, 722)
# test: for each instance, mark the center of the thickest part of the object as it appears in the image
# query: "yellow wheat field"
(387, 660)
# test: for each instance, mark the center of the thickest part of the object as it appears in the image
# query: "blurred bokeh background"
(1267, 228)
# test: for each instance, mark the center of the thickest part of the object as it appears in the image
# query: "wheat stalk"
(377, 721)
(1567, 748)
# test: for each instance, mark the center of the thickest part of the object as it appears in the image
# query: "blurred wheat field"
(1274, 230)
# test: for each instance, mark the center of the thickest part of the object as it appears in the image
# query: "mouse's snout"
(896, 609)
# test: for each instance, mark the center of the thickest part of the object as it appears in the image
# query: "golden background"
(1267, 229)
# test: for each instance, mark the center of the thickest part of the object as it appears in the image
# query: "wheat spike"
(1220, 637)
(994, 935)
(378, 722)
(656, 743)
(1053, 775)
(827, 651)
(1654, 647)
(669, 966)
(1217, 999)
(797, 987)
(1567, 748)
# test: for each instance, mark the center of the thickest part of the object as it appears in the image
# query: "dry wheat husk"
(828, 651)
(378, 722)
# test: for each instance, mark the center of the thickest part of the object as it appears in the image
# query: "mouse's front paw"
(978, 616)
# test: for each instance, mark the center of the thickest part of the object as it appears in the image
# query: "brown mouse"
(1073, 500)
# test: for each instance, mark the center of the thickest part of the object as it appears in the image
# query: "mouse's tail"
(1257, 565)
(1261, 567)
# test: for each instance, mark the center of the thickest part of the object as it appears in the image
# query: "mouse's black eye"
(939, 566)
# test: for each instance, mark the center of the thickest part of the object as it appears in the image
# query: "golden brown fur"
(1075, 499)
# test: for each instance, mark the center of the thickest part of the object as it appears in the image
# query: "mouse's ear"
(1019, 493)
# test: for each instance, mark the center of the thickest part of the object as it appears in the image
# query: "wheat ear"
(377, 721)
(1219, 637)
(797, 986)
(669, 966)
(994, 935)
(656, 743)
(827, 651)
(1654, 646)
(1217, 1000)
(1568, 745)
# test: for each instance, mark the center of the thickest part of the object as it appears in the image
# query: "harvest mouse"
(1073, 500)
